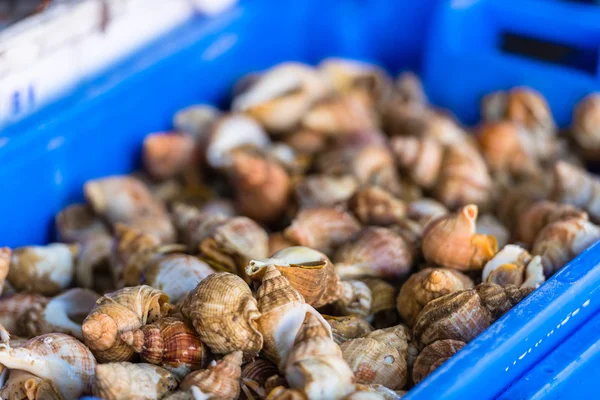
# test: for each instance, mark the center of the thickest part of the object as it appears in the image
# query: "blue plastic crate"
(97, 130)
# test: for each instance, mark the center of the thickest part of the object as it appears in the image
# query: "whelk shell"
(347, 327)
(221, 380)
(433, 356)
(258, 378)
(573, 185)
(324, 190)
(13, 306)
(584, 129)
(356, 299)
(167, 154)
(78, 223)
(420, 157)
(541, 213)
(124, 380)
(375, 206)
(26, 386)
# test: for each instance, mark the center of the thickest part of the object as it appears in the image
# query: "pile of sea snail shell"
(333, 236)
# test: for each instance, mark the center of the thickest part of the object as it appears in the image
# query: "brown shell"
(308, 271)
(559, 242)
(426, 285)
(541, 213)
(322, 228)
(283, 393)
(420, 157)
(379, 357)
(383, 306)
(258, 376)
(324, 190)
(124, 380)
(170, 343)
(348, 327)
(515, 199)
(26, 386)
(451, 241)
(305, 141)
(94, 269)
(375, 252)
(133, 249)
(375, 206)
(507, 267)
(315, 364)
(465, 314)
(340, 115)
(584, 129)
(433, 356)
(577, 187)
(425, 210)
(262, 186)
(167, 154)
(223, 312)
(464, 179)
(221, 380)
(78, 223)
(121, 311)
(13, 306)
(356, 299)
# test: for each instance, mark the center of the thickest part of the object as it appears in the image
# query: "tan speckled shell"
(57, 357)
(426, 285)
(573, 185)
(315, 364)
(433, 356)
(121, 311)
(451, 241)
(221, 380)
(223, 312)
(541, 213)
(124, 381)
(374, 206)
(24, 385)
(374, 252)
(420, 157)
(379, 357)
(283, 310)
(322, 228)
(14, 305)
(562, 240)
(308, 271)
(170, 343)
(347, 327)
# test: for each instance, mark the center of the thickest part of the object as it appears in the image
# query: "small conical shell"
(322, 228)
(433, 356)
(421, 157)
(283, 310)
(315, 364)
(308, 271)
(374, 206)
(176, 274)
(224, 313)
(221, 380)
(379, 358)
(124, 381)
(374, 252)
(170, 343)
(575, 186)
(43, 269)
(541, 213)
(60, 314)
(559, 242)
(451, 241)
(13, 306)
(26, 386)
(121, 311)
(347, 327)
(57, 357)
(426, 285)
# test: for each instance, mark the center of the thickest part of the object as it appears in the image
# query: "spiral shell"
(57, 357)
(324, 190)
(262, 186)
(322, 228)
(426, 285)
(347, 327)
(541, 213)
(508, 267)
(78, 223)
(379, 357)
(584, 129)
(420, 157)
(170, 343)
(281, 96)
(283, 393)
(375, 206)
(577, 187)
(224, 313)
(221, 380)
(374, 252)
(124, 380)
(465, 314)
(24, 385)
(176, 274)
(383, 306)
(121, 311)
(309, 271)
(259, 377)
(451, 241)
(433, 356)
(559, 242)
(315, 364)
(282, 310)
(93, 269)
(340, 115)
(60, 314)
(43, 269)
(13, 306)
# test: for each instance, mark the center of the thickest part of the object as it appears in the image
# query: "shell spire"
(220, 380)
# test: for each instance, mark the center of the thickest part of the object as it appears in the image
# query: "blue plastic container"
(542, 346)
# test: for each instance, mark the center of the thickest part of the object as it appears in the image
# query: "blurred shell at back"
(13, 306)
(308, 271)
(43, 269)
(57, 357)
(78, 223)
(584, 130)
(124, 380)
(451, 241)
(375, 206)
(221, 380)
(121, 311)
(5, 258)
(224, 313)
(574, 185)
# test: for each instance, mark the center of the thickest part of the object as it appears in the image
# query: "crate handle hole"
(580, 59)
